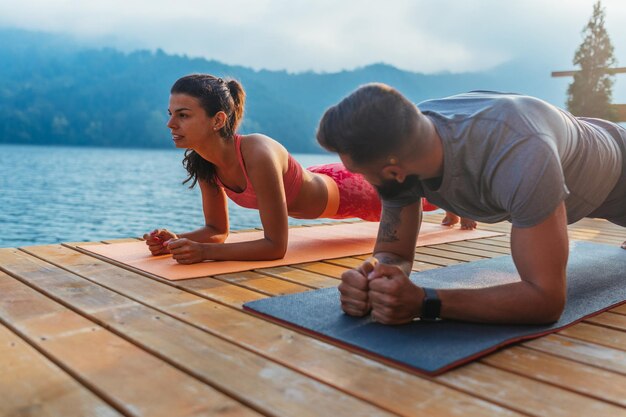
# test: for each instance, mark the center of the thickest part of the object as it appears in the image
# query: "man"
(485, 156)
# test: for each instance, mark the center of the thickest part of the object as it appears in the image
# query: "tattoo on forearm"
(388, 230)
(390, 260)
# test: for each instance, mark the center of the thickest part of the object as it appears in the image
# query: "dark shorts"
(614, 207)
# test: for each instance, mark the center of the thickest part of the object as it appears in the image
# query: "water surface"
(66, 194)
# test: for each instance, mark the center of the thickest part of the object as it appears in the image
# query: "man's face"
(391, 188)
(375, 175)
(372, 172)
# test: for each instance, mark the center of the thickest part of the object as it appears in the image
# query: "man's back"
(516, 157)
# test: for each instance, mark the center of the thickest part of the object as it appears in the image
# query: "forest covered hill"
(54, 90)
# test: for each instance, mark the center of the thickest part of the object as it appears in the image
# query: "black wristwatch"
(431, 305)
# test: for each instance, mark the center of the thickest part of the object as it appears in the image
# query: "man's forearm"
(394, 259)
(518, 302)
(397, 234)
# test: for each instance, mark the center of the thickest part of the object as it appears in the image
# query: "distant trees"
(590, 93)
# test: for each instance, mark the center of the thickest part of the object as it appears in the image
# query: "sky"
(332, 35)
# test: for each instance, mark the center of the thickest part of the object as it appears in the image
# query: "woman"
(254, 171)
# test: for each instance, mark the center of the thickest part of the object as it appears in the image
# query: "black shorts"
(614, 207)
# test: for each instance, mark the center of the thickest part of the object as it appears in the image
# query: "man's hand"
(186, 251)
(354, 288)
(393, 297)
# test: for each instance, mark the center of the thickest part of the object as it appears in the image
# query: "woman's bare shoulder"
(257, 145)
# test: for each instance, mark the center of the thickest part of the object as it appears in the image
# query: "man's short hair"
(372, 122)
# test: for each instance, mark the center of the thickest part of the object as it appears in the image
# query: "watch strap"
(431, 305)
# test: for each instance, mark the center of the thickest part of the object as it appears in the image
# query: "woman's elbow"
(277, 251)
(221, 237)
(216, 235)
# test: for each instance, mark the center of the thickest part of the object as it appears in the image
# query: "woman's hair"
(371, 123)
(214, 95)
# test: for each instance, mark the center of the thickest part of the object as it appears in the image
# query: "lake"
(67, 194)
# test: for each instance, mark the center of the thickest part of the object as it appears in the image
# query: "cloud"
(327, 35)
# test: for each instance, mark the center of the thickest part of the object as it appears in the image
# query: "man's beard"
(390, 189)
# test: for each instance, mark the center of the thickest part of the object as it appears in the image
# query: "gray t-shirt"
(514, 157)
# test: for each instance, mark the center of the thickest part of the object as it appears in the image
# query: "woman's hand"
(186, 251)
(156, 241)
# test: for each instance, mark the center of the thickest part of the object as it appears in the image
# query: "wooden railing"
(620, 109)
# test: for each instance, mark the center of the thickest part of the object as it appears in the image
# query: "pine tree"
(590, 93)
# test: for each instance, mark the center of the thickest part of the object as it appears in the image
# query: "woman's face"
(190, 125)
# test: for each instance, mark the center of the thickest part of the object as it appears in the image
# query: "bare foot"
(624, 245)
(467, 224)
(450, 220)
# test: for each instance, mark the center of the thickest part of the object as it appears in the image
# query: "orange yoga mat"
(306, 244)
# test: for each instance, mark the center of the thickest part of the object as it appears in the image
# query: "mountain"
(55, 90)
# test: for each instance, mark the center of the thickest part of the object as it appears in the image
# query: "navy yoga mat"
(596, 282)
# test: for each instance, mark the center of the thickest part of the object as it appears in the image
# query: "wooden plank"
(613, 231)
(610, 320)
(300, 276)
(435, 260)
(619, 310)
(593, 224)
(524, 394)
(354, 262)
(498, 239)
(249, 378)
(484, 246)
(322, 268)
(33, 386)
(462, 249)
(597, 238)
(580, 351)
(583, 379)
(348, 262)
(457, 256)
(416, 267)
(216, 290)
(388, 388)
(126, 376)
(262, 283)
(597, 335)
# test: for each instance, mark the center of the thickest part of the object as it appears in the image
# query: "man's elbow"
(550, 310)
(281, 251)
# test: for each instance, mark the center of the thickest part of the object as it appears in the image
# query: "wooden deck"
(82, 337)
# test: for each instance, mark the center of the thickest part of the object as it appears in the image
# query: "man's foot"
(450, 220)
(467, 224)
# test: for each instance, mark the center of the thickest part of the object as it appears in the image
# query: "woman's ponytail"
(239, 100)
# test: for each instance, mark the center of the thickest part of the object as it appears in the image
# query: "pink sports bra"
(292, 180)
